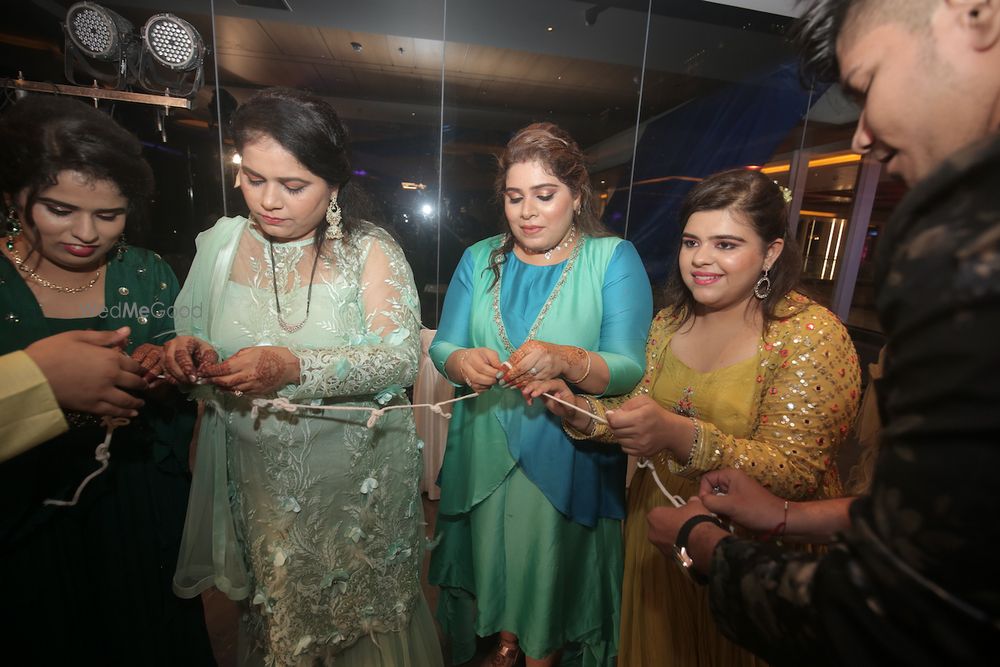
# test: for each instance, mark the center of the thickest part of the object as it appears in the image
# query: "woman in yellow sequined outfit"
(742, 371)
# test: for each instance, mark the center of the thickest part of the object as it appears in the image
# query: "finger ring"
(533, 371)
(237, 392)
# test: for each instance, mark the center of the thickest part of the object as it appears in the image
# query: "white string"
(577, 408)
(102, 455)
(284, 405)
(677, 501)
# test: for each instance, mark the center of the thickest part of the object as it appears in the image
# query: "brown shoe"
(505, 656)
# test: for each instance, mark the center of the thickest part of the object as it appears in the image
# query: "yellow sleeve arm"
(29, 413)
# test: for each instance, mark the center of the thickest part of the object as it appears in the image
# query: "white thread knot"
(438, 410)
(102, 454)
(284, 404)
(258, 403)
(376, 413)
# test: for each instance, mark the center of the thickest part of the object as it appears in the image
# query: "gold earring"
(334, 230)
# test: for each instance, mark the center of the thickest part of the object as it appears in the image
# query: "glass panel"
(509, 64)
(824, 219)
(381, 71)
(718, 90)
(721, 91)
(823, 170)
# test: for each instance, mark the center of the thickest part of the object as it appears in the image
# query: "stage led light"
(99, 43)
(172, 56)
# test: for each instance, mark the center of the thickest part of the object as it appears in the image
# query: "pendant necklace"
(289, 328)
(567, 242)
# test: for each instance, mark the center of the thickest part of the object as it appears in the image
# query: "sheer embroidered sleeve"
(383, 357)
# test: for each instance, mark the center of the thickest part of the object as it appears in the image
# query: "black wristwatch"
(680, 545)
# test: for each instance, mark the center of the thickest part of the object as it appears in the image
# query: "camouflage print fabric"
(913, 582)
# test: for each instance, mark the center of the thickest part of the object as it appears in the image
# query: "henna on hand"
(269, 370)
(548, 360)
(183, 356)
(150, 357)
(571, 356)
(206, 356)
(251, 370)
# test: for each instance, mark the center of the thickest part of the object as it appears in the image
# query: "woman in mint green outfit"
(312, 520)
(529, 522)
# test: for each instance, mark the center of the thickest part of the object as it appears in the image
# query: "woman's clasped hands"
(477, 367)
(537, 360)
(253, 370)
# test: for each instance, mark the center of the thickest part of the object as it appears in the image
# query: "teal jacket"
(605, 306)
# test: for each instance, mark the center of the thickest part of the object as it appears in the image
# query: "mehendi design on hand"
(149, 356)
(269, 370)
(554, 360)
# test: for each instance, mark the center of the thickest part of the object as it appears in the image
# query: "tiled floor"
(222, 614)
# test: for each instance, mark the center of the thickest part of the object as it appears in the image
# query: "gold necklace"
(19, 261)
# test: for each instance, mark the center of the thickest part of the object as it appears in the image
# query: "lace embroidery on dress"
(327, 511)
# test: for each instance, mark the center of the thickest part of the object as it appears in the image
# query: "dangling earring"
(762, 289)
(120, 247)
(333, 218)
(13, 227)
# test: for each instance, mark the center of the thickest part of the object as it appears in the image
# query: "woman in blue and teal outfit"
(529, 522)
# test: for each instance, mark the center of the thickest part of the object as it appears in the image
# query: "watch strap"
(680, 544)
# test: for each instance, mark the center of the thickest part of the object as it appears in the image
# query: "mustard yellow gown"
(780, 415)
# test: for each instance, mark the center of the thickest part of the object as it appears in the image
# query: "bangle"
(676, 466)
(461, 367)
(778, 531)
(586, 372)
(591, 427)
(592, 424)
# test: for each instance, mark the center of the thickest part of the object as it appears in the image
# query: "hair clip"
(786, 193)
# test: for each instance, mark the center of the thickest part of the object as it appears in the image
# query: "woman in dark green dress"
(90, 583)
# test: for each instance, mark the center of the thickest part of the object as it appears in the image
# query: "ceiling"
(503, 62)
